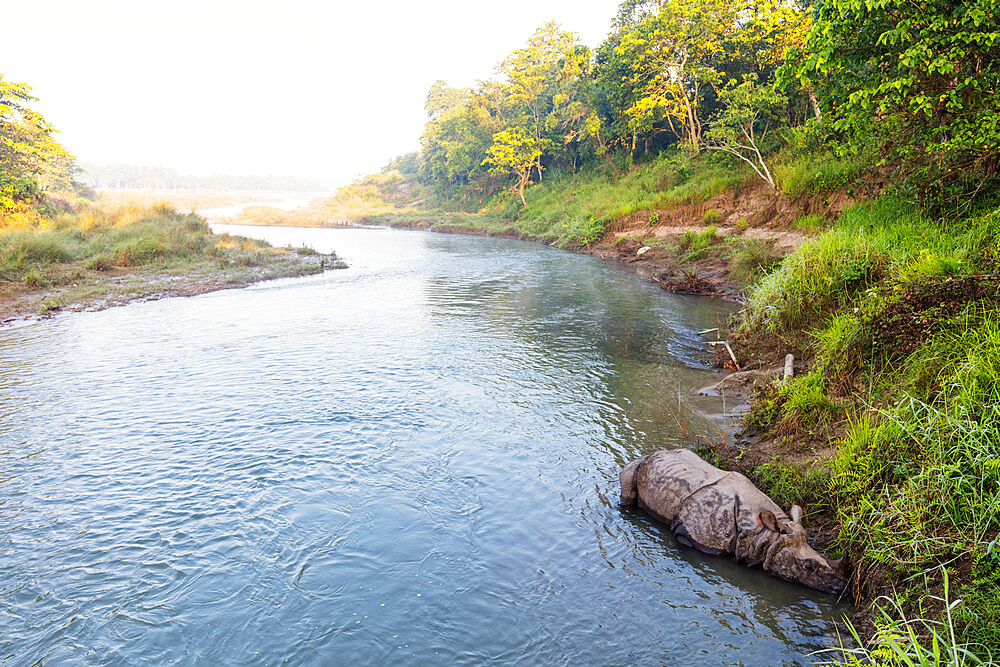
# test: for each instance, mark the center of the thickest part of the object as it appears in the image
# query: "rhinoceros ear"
(795, 511)
(768, 520)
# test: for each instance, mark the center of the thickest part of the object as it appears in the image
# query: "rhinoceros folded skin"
(721, 512)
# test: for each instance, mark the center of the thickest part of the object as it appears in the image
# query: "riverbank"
(689, 225)
(887, 433)
(91, 260)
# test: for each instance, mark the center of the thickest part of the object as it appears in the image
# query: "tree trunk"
(814, 101)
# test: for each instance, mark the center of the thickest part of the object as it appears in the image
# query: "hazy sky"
(323, 90)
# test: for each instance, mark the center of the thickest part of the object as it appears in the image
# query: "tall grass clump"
(752, 259)
(811, 174)
(868, 243)
(917, 641)
(22, 252)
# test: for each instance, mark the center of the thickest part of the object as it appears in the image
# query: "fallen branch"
(728, 349)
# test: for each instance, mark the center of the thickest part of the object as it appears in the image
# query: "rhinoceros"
(722, 512)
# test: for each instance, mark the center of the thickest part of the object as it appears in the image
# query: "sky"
(321, 90)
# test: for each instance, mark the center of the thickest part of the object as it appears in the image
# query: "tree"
(441, 99)
(532, 75)
(574, 116)
(31, 160)
(926, 71)
(741, 127)
(514, 153)
(674, 57)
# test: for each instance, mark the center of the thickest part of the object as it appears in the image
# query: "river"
(411, 461)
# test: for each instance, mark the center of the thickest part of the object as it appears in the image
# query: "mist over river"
(411, 461)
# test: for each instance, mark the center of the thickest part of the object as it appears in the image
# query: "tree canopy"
(911, 84)
(31, 160)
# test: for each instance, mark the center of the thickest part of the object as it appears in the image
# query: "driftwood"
(728, 349)
(789, 365)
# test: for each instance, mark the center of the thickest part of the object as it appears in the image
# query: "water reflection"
(414, 460)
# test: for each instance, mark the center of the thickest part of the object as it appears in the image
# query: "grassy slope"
(897, 316)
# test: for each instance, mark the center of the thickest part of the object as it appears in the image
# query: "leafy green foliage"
(514, 153)
(927, 71)
(31, 160)
(741, 126)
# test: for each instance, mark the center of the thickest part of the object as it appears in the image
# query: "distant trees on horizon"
(132, 177)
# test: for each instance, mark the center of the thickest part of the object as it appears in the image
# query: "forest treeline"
(131, 177)
(907, 86)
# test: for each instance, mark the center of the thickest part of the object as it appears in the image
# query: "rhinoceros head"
(791, 558)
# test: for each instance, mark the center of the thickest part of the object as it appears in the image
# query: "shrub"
(751, 259)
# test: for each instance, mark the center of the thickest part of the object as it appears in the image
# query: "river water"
(411, 461)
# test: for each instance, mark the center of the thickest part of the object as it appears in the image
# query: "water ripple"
(412, 461)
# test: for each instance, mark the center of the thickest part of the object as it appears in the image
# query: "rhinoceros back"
(667, 478)
(707, 508)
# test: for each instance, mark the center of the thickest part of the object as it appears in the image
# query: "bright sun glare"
(325, 91)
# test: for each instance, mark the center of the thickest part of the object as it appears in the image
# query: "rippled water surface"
(412, 461)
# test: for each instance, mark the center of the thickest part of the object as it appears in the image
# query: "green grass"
(807, 173)
(919, 641)
(871, 243)
(787, 484)
(575, 208)
(811, 223)
(751, 259)
(129, 237)
(900, 319)
(711, 217)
